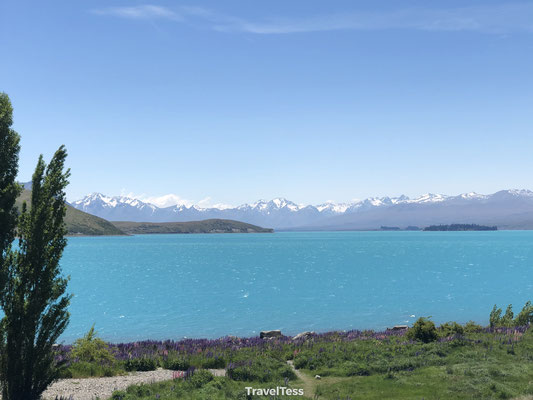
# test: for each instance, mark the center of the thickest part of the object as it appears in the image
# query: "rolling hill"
(206, 226)
(80, 223)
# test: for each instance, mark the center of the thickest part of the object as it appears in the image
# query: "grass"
(488, 363)
(216, 388)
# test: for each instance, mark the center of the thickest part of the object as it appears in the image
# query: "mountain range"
(508, 209)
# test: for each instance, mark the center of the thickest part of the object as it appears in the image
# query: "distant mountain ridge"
(78, 223)
(508, 209)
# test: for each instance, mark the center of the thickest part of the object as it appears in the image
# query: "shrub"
(176, 364)
(200, 377)
(141, 364)
(472, 327)
(118, 395)
(91, 349)
(214, 363)
(450, 328)
(85, 369)
(423, 330)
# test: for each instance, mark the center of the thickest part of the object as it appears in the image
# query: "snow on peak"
(110, 202)
(95, 201)
(472, 196)
(281, 202)
(330, 206)
(520, 192)
(430, 198)
(274, 204)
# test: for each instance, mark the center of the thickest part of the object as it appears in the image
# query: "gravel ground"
(102, 388)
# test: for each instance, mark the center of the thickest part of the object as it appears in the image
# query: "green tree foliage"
(508, 318)
(32, 289)
(424, 330)
(9, 189)
(92, 349)
(495, 316)
(525, 317)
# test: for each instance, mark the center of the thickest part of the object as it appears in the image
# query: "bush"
(118, 395)
(214, 363)
(176, 364)
(141, 364)
(450, 329)
(200, 377)
(472, 327)
(85, 369)
(91, 349)
(423, 330)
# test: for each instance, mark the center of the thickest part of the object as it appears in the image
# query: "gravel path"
(102, 388)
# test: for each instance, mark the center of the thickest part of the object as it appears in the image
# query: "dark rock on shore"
(270, 334)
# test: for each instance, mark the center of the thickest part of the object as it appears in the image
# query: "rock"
(317, 377)
(270, 334)
(399, 327)
(304, 335)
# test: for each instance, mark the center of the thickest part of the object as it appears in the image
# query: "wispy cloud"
(499, 19)
(172, 199)
(147, 11)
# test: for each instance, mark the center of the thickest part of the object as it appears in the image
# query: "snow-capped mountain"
(506, 208)
(117, 208)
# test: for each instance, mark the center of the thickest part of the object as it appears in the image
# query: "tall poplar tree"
(32, 289)
(9, 189)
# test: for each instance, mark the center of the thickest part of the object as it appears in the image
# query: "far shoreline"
(297, 231)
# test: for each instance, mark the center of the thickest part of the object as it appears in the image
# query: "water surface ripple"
(175, 286)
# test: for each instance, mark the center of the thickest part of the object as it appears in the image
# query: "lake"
(212, 285)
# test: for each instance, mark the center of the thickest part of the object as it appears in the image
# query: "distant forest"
(461, 227)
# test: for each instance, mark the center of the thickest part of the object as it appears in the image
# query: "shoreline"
(298, 231)
(283, 336)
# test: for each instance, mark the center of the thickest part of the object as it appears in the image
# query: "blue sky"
(232, 101)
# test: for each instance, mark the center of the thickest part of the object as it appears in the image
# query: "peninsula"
(206, 226)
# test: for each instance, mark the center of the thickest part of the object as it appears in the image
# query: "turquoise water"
(174, 286)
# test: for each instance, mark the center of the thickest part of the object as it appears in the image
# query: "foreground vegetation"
(452, 361)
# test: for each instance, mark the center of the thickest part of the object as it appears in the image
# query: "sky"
(228, 102)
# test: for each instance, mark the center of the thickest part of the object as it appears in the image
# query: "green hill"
(206, 226)
(79, 222)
